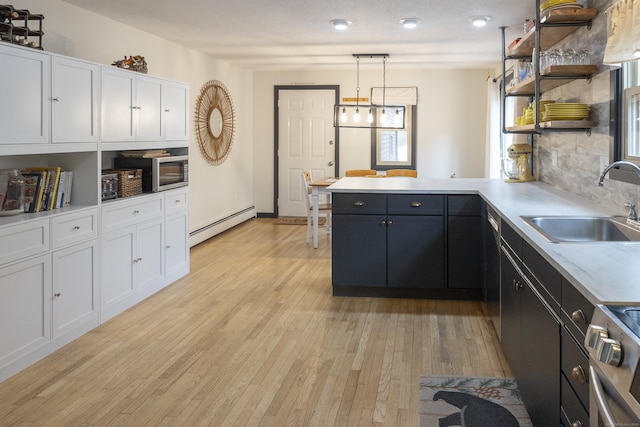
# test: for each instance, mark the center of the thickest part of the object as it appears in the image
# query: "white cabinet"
(65, 271)
(25, 106)
(74, 100)
(25, 308)
(149, 261)
(131, 106)
(175, 97)
(75, 280)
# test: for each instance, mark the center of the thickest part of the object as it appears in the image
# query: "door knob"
(330, 163)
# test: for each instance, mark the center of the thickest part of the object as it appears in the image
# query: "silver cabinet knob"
(415, 204)
(578, 317)
(593, 336)
(358, 203)
(610, 351)
(576, 424)
(578, 374)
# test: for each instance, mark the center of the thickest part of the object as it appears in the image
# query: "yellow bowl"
(550, 3)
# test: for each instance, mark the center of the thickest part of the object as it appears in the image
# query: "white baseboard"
(217, 227)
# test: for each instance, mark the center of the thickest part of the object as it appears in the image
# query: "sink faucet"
(606, 170)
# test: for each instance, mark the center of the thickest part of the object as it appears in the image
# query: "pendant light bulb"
(343, 116)
(370, 116)
(356, 116)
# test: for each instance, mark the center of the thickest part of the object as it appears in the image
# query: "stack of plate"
(559, 4)
(565, 111)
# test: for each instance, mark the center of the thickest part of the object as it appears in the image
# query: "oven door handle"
(603, 409)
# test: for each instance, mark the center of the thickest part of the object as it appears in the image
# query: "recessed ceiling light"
(340, 24)
(480, 21)
(409, 23)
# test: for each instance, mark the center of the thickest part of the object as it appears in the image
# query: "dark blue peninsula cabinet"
(393, 245)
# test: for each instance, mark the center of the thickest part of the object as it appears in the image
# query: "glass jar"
(11, 192)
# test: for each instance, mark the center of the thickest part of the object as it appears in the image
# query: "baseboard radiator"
(221, 225)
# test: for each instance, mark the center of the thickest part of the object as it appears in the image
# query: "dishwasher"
(492, 266)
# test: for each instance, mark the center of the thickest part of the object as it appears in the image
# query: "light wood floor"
(253, 337)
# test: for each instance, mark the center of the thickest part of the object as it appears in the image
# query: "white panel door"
(118, 90)
(306, 141)
(74, 108)
(148, 109)
(25, 109)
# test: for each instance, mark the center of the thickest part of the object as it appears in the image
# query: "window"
(625, 119)
(394, 148)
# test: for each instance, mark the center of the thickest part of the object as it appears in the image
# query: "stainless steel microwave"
(158, 173)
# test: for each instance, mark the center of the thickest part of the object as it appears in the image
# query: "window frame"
(411, 128)
(618, 124)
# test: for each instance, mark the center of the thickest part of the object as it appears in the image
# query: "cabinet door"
(25, 307)
(465, 251)
(74, 286)
(74, 95)
(539, 382)
(148, 109)
(415, 252)
(118, 254)
(149, 253)
(175, 97)
(176, 244)
(510, 309)
(359, 250)
(25, 110)
(117, 105)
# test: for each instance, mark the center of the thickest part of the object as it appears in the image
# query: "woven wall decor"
(215, 121)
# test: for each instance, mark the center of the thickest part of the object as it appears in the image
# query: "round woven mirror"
(215, 122)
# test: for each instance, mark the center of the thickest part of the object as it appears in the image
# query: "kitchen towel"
(471, 402)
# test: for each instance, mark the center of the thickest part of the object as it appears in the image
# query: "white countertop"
(604, 272)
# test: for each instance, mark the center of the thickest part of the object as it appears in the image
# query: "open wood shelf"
(552, 35)
(555, 124)
(528, 86)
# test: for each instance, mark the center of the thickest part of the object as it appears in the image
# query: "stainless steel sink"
(560, 229)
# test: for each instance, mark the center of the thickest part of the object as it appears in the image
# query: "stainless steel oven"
(613, 342)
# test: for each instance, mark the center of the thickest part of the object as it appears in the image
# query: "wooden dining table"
(318, 187)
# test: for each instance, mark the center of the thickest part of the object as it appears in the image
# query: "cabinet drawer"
(511, 238)
(572, 409)
(118, 215)
(24, 239)
(358, 203)
(175, 201)
(464, 205)
(546, 278)
(415, 204)
(575, 308)
(74, 227)
(574, 364)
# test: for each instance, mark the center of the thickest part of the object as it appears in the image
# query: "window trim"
(617, 129)
(412, 128)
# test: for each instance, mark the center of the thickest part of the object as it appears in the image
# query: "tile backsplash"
(573, 161)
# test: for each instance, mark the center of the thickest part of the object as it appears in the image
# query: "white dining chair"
(324, 209)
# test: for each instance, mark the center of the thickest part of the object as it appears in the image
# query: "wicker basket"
(129, 181)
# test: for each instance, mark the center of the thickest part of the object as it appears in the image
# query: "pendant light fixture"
(378, 116)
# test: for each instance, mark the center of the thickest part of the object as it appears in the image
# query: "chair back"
(359, 172)
(306, 187)
(402, 172)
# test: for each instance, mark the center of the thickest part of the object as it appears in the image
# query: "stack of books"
(46, 188)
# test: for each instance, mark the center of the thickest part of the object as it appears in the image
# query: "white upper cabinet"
(118, 96)
(131, 107)
(74, 100)
(25, 106)
(175, 97)
(148, 109)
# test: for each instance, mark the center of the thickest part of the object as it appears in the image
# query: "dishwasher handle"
(603, 410)
(493, 222)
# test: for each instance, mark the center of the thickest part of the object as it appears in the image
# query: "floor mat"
(471, 402)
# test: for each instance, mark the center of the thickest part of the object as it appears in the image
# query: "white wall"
(451, 128)
(216, 192)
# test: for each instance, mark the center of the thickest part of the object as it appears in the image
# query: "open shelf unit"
(551, 27)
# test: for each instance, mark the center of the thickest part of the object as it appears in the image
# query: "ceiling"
(297, 34)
